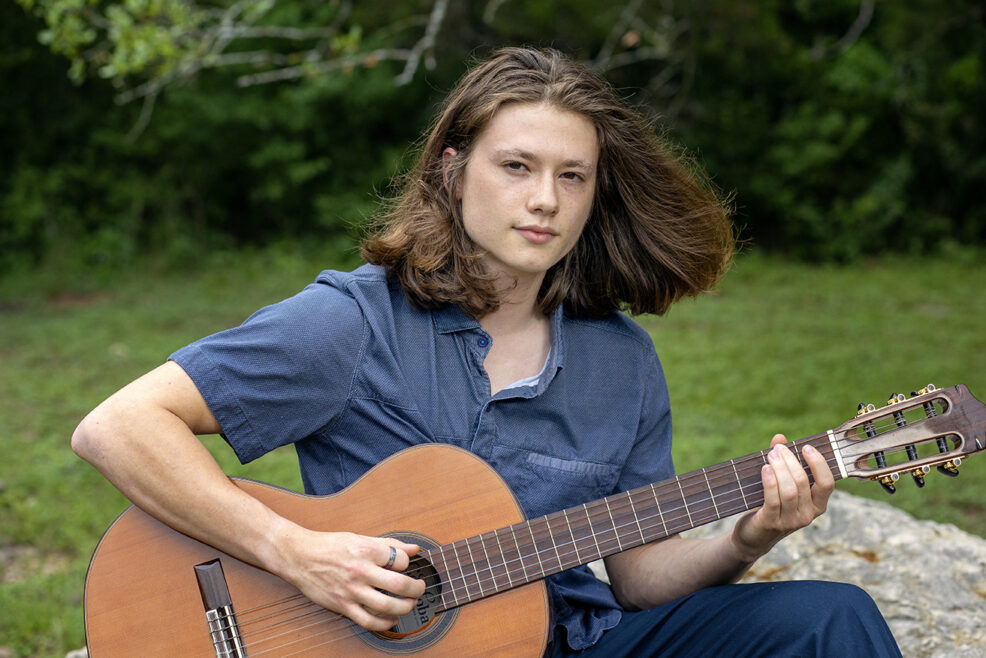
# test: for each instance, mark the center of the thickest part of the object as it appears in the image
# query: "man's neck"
(521, 336)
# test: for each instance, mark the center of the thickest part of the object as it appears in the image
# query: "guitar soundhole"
(425, 625)
(424, 612)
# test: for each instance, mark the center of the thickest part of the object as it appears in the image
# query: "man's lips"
(536, 234)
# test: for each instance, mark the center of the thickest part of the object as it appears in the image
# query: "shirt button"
(483, 341)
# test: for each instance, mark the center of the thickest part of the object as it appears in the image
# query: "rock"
(928, 579)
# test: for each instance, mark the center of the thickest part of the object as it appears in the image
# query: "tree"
(842, 128)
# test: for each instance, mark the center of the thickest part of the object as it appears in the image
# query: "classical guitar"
(151, 591)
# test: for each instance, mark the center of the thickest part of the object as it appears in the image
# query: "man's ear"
(447, 156)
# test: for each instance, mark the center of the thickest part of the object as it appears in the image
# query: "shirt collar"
(557, 356)
(450, 319)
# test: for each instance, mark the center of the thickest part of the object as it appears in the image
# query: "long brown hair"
(657, 231)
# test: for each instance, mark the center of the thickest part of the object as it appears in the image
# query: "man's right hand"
(349, 574)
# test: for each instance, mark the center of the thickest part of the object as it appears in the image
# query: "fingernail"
(809, 450)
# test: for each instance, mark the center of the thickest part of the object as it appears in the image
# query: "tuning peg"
(912, 452)
(881, 460)
(951, 467)
(918, 475)
(930, 412)
(864, 408)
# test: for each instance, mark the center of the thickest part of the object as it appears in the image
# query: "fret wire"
(647, 524)
(636, 519)
(554, 544)
(625, 518)
(569, 542)
(588, 518)
(496, 533)
(537, 551)
(660, 512)
(719, 477)
(475, 567)
(451, 589)
(462, 571)
(520, 555)
(683, 499)
(711, 494)
(519, 552)
(575, 543)
(732, 463)
(489, 562)
(613, 521)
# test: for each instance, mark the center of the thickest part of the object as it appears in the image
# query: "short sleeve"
(650, 459)
(282, 375)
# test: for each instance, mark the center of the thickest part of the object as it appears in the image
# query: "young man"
(488, 319)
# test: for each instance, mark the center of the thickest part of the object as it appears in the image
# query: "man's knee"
(830, 618)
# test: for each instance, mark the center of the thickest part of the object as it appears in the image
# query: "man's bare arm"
(656, 573)
(143, 439)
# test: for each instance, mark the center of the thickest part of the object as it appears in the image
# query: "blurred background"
(168, 166)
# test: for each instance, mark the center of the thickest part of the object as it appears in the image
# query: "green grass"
(781, 348)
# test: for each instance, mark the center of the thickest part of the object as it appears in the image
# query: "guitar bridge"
(219, 614)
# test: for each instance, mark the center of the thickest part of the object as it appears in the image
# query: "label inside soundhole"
(424, 611)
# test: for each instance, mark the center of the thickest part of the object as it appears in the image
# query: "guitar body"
(142, 597)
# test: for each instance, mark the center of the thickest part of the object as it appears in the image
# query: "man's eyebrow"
(521, 154)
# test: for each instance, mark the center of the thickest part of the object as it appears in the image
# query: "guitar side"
(142, 596)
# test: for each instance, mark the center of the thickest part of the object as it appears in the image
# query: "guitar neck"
(483, 565)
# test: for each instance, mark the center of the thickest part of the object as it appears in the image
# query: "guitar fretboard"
(483, 565)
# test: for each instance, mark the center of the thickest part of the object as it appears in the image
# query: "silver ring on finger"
(391, 559)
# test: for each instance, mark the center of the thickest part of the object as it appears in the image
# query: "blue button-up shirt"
(350, 373)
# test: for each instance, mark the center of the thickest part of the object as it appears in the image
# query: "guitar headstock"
(933, 428)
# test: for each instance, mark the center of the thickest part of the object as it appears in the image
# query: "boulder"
(928, 579)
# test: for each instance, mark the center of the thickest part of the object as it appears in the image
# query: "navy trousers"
(795, 618)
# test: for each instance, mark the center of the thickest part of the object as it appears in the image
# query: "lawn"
(780, 348)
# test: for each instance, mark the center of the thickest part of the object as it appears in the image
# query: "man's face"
(528, 187)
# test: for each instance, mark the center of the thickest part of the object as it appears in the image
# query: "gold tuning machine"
(888, 482)
(912, 452)
(951, 467)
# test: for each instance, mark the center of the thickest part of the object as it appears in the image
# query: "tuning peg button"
(951, 467)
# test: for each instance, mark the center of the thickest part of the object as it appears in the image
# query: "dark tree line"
(842, 128)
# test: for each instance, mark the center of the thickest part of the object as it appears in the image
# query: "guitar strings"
(701, 507)
(465, 584)
(684, 481)
(328, 629)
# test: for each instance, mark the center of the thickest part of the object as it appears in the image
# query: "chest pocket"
(544, 483)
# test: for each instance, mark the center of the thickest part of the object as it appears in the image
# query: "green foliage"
(838, 152)
(836, 144)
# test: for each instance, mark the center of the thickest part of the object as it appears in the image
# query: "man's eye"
(515, 166)
(573, 176)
